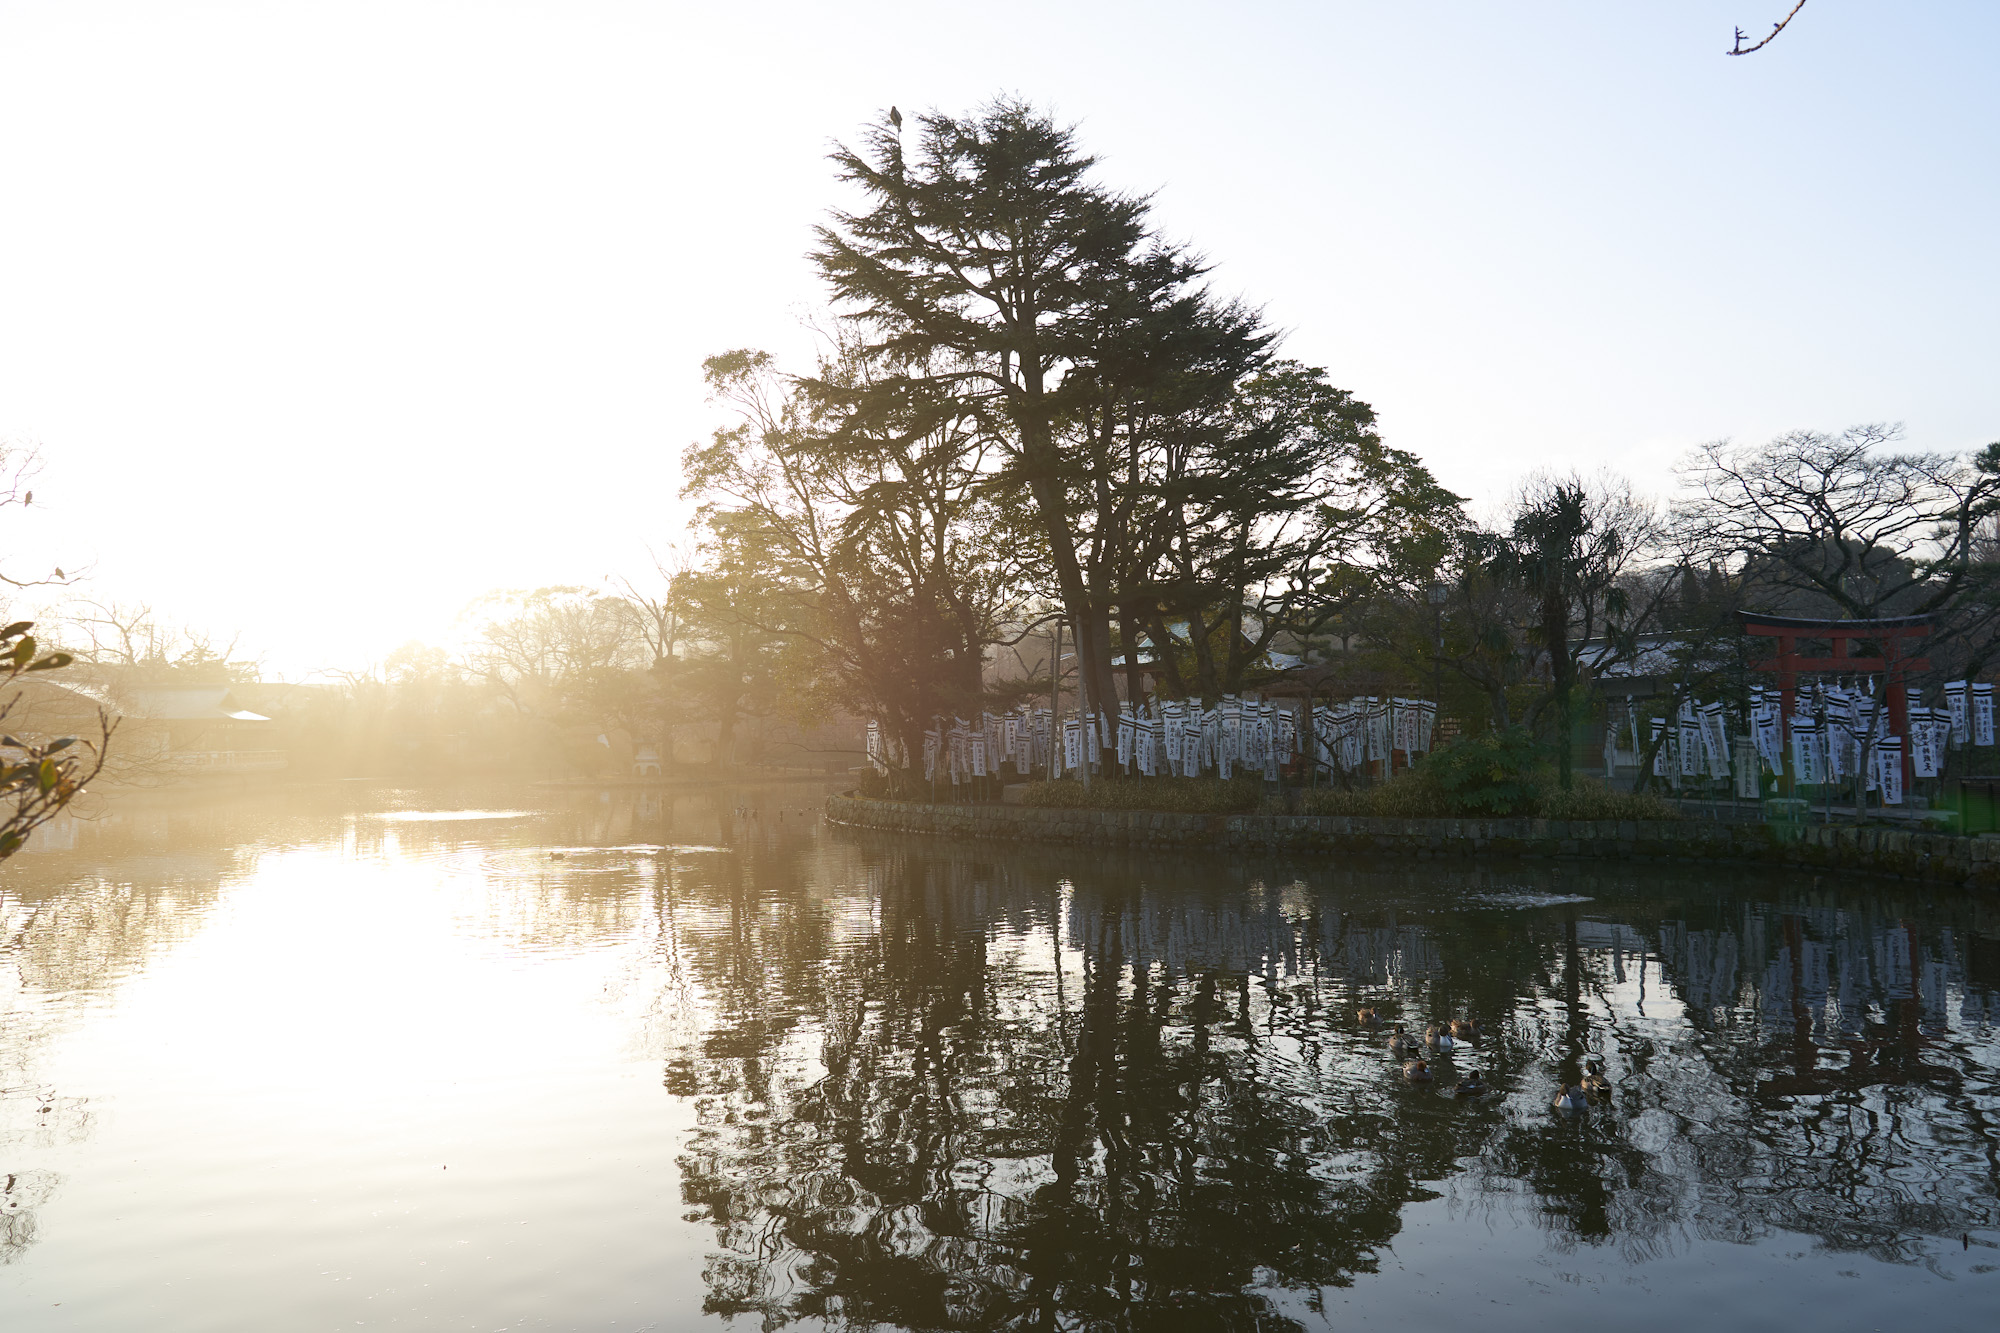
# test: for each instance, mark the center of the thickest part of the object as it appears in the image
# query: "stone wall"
(1928, 856)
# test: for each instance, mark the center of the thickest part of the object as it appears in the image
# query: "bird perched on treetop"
(896, 118)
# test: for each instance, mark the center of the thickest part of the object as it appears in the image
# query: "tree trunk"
(1093, 658)
(1134, 678)
(1555, 635)
(1163, 653)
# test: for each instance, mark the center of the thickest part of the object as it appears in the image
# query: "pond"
(507, 1058)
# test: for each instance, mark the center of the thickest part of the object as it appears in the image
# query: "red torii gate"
(1893, 663)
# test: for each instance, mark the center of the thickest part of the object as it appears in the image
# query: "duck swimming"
(1438, 1038)
(1417, 1071)
(1571, 1099)
(1471, 1085)
(1367, 1018)
(1464, 1029)
(1593, 1077)
(1402, 1043)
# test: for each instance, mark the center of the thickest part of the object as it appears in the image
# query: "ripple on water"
(449, 816)
(1521, 901)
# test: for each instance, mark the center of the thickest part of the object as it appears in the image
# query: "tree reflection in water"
(1025, 1089)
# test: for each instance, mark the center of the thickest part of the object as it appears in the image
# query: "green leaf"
(60, 743)
(24, 650)
(46, 778)
(18, 627)
(53, 662)
(11, 844)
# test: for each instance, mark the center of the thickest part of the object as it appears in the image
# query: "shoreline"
(1940, 858)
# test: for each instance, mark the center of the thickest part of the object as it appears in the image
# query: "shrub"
(1493, 773)
(1412, 794)
(1588, 799)
(1192, 796)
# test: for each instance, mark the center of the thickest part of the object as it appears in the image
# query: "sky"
(329, 318)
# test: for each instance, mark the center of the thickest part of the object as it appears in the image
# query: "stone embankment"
(1936, 857)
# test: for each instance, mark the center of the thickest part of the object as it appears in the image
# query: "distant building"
(164, 732)
(200, 729)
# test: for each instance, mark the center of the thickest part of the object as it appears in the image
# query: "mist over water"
(501, 1057)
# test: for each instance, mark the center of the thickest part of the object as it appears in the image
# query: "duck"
(1402, 1044)
(1571, 1099)
(1367, 1017)
(1593, 1077)
(1465, 1029)
(1438, 1039)
(1471, 1085)
(1416, 1071)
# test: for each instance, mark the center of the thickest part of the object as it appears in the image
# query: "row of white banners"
(1167, 738)
(1836, 735)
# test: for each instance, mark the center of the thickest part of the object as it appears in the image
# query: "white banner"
(1805, 750)
(1924, 748)
(1889, 769)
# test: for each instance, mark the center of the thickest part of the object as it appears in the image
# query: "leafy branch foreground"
(38, 778)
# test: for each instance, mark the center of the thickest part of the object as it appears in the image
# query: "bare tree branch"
(1741, 50)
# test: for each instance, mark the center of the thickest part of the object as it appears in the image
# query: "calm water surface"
(507, 1059)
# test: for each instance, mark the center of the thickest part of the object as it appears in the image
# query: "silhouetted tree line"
(1031, 409)
(1032, 406)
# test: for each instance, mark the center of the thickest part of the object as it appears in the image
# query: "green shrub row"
(1410, 795)
(1183, 796)
(1493, 774)
(1416, 795)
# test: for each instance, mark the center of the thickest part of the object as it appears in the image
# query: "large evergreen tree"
(987, 261)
